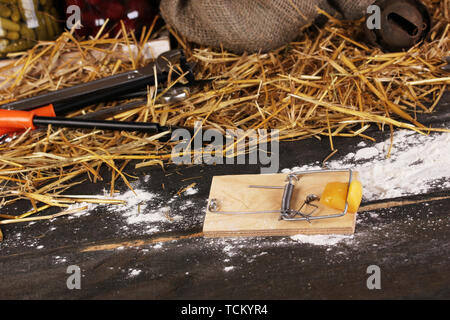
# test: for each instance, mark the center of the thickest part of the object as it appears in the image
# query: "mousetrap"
(307, 202)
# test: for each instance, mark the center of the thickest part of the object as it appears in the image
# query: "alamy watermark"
(74, 280)
(374, 280)
(373, 21)
(73, 17)
(73, 12)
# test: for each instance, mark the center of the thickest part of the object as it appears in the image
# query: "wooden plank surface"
(406, 237)
(233, 194)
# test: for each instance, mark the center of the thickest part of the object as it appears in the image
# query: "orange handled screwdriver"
(14, 120)
(9, 118)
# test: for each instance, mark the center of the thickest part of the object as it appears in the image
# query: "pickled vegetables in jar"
(24, 22)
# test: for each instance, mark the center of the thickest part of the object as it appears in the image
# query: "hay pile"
(325, 85)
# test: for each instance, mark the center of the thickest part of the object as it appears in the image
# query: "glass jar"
(135, 14)
(24, 22)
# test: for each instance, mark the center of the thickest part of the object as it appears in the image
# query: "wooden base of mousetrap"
(234, 195)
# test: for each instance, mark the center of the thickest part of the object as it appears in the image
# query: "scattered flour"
(134, 216)
(190, 191)
(373, 215)
(321, 240)
(59, 259)
(362, 144)
(90, 206)
(143, 211)
(229, 250)
(136, 202)
(186, 205)
(134, 273)
(366, 153)
(417, 163)
(235, 250)
(228, 269)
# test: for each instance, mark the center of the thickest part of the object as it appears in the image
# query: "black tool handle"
(82, 95)
(100, 124)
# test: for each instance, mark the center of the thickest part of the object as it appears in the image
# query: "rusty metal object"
(404, 23)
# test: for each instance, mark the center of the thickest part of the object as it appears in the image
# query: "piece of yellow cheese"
(335, 194)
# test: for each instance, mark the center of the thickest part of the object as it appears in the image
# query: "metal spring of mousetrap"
(286, 212)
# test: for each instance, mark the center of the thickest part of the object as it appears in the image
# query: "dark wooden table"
(409, 242)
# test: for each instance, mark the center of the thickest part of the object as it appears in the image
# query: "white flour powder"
(321, 240)
(139, 207)
(417, 163)
(134, 273)
(135, 209)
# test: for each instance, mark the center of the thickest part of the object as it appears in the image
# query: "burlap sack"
(251, 25)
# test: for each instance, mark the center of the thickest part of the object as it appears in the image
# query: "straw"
(326, 84)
